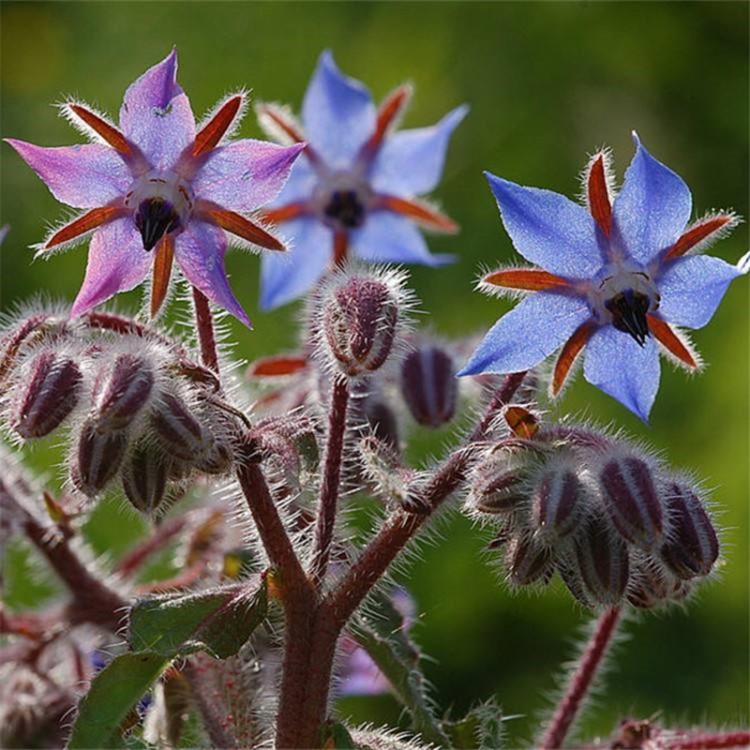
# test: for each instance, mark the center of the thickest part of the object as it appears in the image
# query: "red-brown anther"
(429, 385)
(692, 546)
(527, 560)
(602, 561)
(632, 501)
(556, 503)
(48, 395)
(179, 431)
(99, 456)
(144, 478)
(360, 318)
(124, 392)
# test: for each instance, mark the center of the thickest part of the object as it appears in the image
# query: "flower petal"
(410, 162)
(117, 263)
(156, 114)
(548, 229)
(338, 113)
(531, 331)
(287, 276)
(245, 174)
(199, 252)
(652, 208)
(616, 364)
(692, 288)
(83, 176)
(389, 238)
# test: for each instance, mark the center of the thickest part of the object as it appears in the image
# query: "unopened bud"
(144, 478)
(429, 386)
(179, 431)
(632, 501)
(99, 455)
(216, 459)
(124, 392)
(527, 560)
(360, 318)
(556, 502)
(693, 546)
(382, 421)
(49, 393)
(498, 483)
(602, 560)
(652, 586)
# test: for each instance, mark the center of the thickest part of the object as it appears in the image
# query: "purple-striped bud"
(429, 386)
(125, 391)
(632, 501)
(144, 478)
(179, 431)
(557, 502)
(360, 318)
(693, 545)
(498, 484)
(50, 392)
(216, 459)
(602, 560)
(382, 421)
(98, 457)
(652, 586)
(527, 560)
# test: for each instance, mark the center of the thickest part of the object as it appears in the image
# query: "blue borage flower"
(616, 278)
(354, 193)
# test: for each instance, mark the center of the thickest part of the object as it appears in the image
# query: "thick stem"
(329, 488)
(582, 679)
(204, 324)
(709, 741)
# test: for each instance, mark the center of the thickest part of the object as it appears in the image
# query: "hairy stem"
(582, 679)
(709, 741)
(329, 488)
(204, 324)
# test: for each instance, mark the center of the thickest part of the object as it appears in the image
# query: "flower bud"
(124, 392)
(360, 318)
(630, 497)
(652, 586)
(527, 560)
(693, 546)
(144, 478)
(216, 459)
(429, 386)
(556, 502)
(382, 421)
(179, 431)
(498, 483)
(50, 392)
(99, 455)
(602, 560)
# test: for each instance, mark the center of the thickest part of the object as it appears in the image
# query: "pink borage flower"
(158, 189)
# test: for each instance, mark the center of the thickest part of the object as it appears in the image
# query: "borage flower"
(158, 184)
(355, 191)
(616, 278)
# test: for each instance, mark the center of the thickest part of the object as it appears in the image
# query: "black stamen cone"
(346, 208)
(154, 218)
(629, 310)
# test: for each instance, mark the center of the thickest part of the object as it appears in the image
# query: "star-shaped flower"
(157, 183)
(616, 278)
(355, 190)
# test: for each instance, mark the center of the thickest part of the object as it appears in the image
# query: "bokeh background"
(547, 84)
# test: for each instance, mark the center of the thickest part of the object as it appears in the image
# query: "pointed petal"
(83, 176)
(117, 263)
(156, 114)
(285, 277)
(389, 238)
(410, 162)
(529, 333)
(245, 174)
(300, 185)
(199, 252)
(653, 207)
(338, 114)
(692, 288)
(548, 229)
(617, 365)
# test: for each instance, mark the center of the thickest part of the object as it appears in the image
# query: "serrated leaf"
(113, 694)
(335, 736)
(481, 729)
(218, 622)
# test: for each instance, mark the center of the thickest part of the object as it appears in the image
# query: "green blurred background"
(547, 84)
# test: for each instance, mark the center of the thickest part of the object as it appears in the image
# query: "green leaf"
(335, 736)
(481, 729)
(218, 622)
(114, 692)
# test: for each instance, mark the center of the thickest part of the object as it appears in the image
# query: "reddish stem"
(582, 679)
(705, 741)
(204, 324)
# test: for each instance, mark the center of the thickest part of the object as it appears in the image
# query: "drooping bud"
(498, 483)
(98, 458)
(125, 391)
(652, 586)
(360, 319)
(179, 431)
(557, 502)
(602, 560)
(50, 392)
(429, 385)
(527, 560)
(144, 478)
(632, 501)
(693, 545)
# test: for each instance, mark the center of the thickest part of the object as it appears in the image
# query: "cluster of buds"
(134, 404)
(611, 519)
